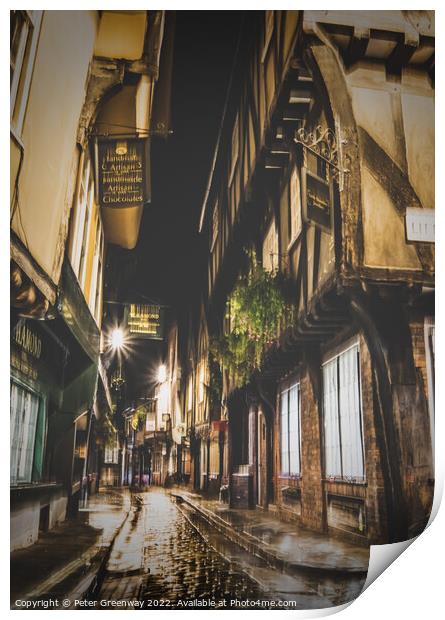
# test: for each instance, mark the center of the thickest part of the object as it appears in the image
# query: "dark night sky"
(167, 251)
(165, 264)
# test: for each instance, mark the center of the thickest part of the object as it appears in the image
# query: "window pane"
(294, 430)
(330, 414)
(252, 435)
(284, 444)
(350, 414)
(24, 413)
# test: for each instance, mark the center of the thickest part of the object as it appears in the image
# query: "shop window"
(201, 391)
(25, 28)
(270, 248)
(24, 419)
(190, 393)
(290, 439)
(111, 453)
(343, 428)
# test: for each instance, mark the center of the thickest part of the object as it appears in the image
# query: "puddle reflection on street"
(166, 553)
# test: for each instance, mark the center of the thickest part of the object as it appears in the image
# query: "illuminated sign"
(145, 321)
(122, 167)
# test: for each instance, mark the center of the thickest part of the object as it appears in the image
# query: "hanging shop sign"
(316, 199)
(123, 172)
(145, 321)
(320, 166)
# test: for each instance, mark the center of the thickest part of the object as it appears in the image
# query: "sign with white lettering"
(420, 225)
(37, 355)
(122, 166)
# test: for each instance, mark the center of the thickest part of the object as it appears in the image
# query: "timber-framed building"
(325, 167)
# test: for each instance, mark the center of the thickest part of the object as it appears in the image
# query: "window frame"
(39, 414)
(271, 239)
(286, 389)
(295, 207)
(97, 270)
(82, 219)
(111, 452)
(20, 83)
(334, 356)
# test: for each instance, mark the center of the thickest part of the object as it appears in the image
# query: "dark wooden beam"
(396, 184)
(400, 56)
(316, 257)
(357, 45)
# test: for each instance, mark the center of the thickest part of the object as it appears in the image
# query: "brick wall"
(312, 500)
(375, 493)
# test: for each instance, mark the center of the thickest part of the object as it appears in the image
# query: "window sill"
(29, 488)
(345, 481)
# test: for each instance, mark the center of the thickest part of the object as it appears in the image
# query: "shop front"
(38, 361)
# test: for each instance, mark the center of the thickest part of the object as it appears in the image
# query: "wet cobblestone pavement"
(160, 558)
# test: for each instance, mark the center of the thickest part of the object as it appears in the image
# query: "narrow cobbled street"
(167, 556)
(160, 558)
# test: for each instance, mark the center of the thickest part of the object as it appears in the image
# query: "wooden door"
(262, 460)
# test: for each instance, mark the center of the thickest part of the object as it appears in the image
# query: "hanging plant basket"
(256, 311)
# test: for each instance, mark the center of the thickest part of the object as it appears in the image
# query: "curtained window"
(290, 430)
(24, 416)
(343, 430)
(111, 453)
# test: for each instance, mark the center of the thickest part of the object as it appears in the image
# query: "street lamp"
(162, 373)
(117, 338)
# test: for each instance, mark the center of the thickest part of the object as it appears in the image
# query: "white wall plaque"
(420, 225)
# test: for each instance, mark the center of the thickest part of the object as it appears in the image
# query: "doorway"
(261, 460)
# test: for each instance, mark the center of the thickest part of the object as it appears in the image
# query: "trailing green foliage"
(255, 311)
(215, 386)
(105, 431)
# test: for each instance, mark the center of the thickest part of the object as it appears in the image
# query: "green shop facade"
(55, 386)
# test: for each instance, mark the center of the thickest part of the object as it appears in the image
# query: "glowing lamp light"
(117, 338)
(162, 373)
(121, 147)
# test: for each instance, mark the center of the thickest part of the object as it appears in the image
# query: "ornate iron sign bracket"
(323, 143)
